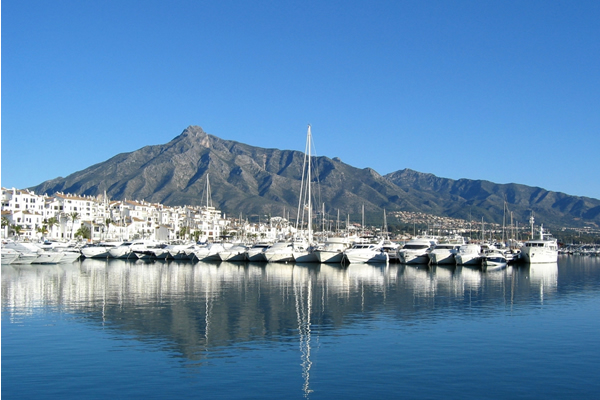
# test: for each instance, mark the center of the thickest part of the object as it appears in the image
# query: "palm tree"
(51, 222)
(83, 232)
(107, 223)
(183, 231)
(42, 229)
(5, 223)
(16, 229)
(74, 216)
(196, 235)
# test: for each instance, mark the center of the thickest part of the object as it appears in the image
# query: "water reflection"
(204, 306)
(93, 285)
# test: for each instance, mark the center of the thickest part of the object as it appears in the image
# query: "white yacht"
(145, 249)
(444, 252)
(181, 251)
(542, 250)
(493, 259)
(333, 249)
(304, 252)
(42, 256)
(282, 251)
(70, 252)
(25, 254)
(237, 252)
(210, 252)
(255, 253)
(468, 254)
(9, 255)
(392, 249)
(99, 250)
(48, 257)
(366, 253)
(122, 251)
(415, 251)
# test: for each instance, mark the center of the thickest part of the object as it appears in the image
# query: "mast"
(208, 195)
(363, 221)
(323, 221)
(385, 231)
(503, 220)
(306, 169)
(531, 220)
(308, 144)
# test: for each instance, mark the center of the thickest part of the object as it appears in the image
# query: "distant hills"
(253, 180)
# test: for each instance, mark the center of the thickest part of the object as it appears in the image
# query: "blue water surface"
(118, 329)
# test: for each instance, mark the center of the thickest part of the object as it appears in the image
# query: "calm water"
(118, 329)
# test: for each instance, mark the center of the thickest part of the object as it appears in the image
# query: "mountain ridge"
(255, 180)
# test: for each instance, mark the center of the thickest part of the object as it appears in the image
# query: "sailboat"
(388, 246)
(303, 246)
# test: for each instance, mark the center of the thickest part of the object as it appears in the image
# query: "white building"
(120, 220)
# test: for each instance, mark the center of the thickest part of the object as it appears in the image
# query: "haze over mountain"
(257, 181)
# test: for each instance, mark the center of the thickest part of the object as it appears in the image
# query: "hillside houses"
(65, 216)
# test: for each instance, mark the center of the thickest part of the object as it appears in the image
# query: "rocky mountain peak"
(195, 134)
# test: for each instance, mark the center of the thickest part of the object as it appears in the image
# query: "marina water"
(100, 329)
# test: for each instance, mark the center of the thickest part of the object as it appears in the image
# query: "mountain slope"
(260, 181)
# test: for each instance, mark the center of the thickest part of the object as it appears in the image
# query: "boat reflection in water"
(120, 286)
(212, 311)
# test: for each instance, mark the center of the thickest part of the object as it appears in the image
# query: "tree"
(196, 235)
(83, 232)
(5, 223)
(16, 229)
(51, 222)
(183, 231)
(74, 216)
(107, 222)
(42, 229)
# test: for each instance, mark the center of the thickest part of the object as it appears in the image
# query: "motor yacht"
(210, 252)
(332, 250)
(282, 251)
(541, 250)
(237, 252)
(256, 251)
(416, 251)
(444, 252)
(468, 254)
(9, 255)
(98, 250)
(122, 251)
(493, 259)
(365, 253)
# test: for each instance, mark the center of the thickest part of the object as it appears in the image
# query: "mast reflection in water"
(97, 329)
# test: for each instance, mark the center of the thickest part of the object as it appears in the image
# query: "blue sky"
(506, 91)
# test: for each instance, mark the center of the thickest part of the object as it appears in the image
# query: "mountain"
(258, 181)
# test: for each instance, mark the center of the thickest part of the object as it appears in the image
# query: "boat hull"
(539, 255)
(362, 258)
(331, 257)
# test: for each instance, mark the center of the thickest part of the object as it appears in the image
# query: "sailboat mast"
(308, 144)
(208, 195)
(363, 221)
